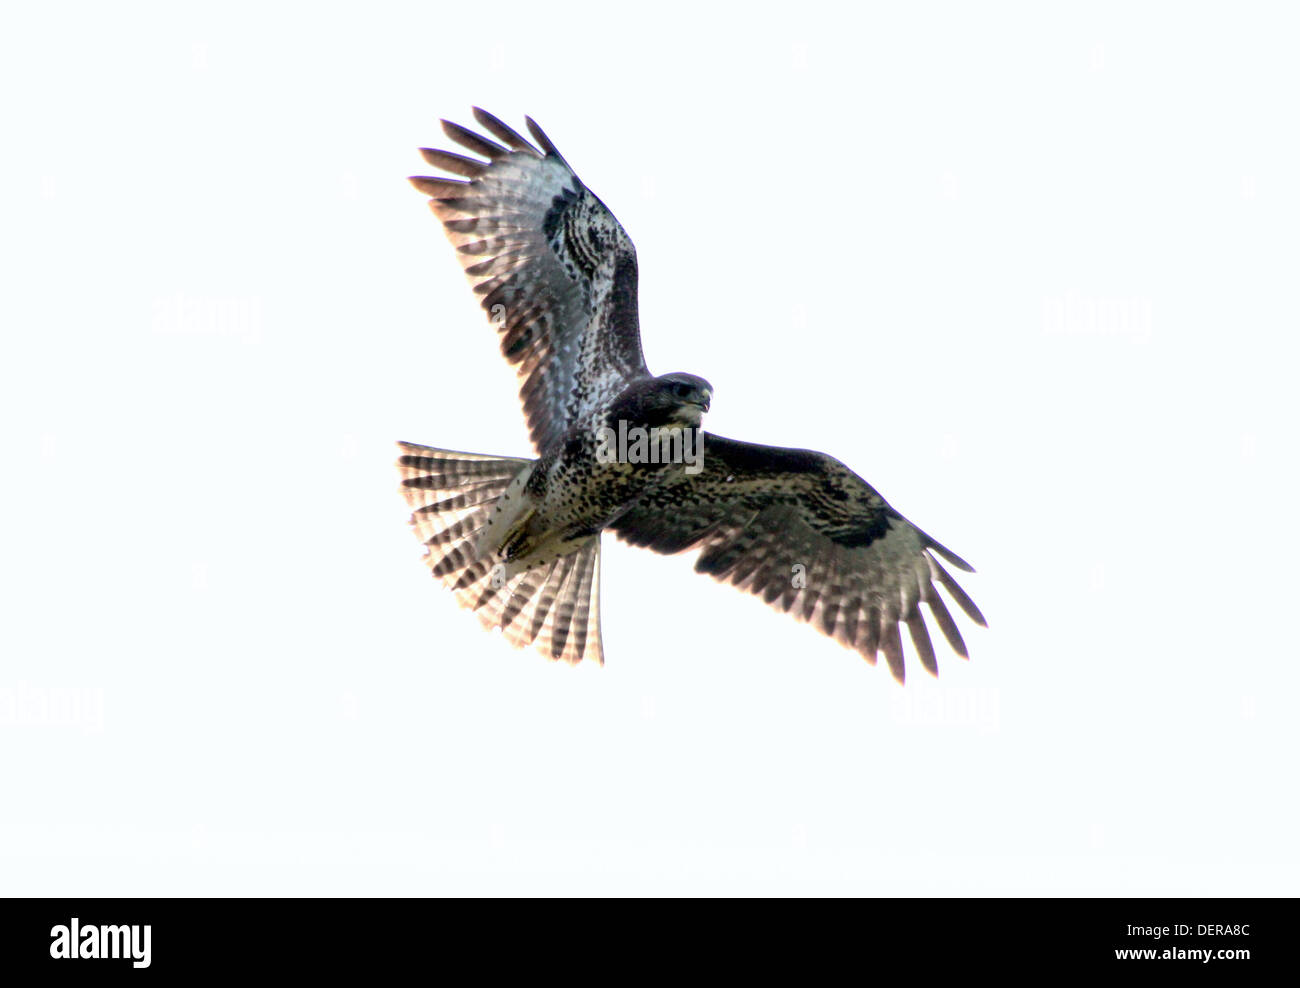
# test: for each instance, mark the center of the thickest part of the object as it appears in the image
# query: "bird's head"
(667, 402)
(678, 400)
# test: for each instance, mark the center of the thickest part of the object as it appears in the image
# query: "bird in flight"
(618, 449)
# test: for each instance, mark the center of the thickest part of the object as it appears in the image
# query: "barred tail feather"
(451, 495)
(554, 607)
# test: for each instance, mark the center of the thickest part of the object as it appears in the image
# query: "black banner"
(134, 939)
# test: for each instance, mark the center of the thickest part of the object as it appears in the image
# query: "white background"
(1030, 271)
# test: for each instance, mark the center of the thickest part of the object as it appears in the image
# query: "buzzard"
(618, 449)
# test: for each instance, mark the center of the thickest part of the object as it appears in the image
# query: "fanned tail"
(555, 607)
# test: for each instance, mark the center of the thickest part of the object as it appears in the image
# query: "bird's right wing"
(812, 538)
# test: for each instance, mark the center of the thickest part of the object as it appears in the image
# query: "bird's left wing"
(810, 537)
(551, 265)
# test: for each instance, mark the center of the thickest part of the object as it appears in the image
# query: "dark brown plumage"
(518, 540)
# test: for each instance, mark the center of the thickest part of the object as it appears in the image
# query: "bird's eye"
(681, 390)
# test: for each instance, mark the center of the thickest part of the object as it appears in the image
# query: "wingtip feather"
(545, 142)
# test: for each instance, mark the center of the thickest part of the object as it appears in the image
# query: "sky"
(1030, 272)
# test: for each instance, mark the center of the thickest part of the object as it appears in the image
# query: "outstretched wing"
(556, 273)
(811, 537)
